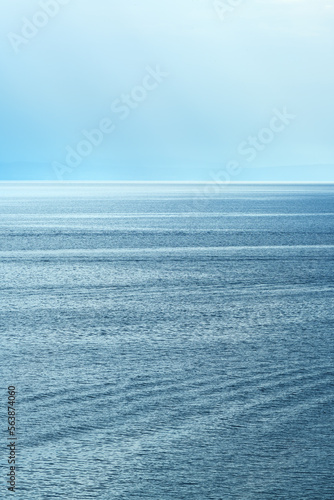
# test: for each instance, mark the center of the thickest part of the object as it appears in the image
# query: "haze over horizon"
(193, 90)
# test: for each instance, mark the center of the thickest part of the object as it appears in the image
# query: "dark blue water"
(168, 342)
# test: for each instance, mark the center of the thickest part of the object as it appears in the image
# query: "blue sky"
(177, 90)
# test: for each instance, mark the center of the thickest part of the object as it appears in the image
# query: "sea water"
(168, 341)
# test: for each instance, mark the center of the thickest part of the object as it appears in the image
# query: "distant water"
(168, 342)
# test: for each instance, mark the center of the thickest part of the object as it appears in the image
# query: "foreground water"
(168, 342)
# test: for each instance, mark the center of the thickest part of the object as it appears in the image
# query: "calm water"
(168, 342)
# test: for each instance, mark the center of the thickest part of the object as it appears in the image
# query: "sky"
(238, 90)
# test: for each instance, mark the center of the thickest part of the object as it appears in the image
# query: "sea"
(167, 341)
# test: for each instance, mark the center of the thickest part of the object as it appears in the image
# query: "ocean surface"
(168, 341)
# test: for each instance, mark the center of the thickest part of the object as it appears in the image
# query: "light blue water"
(166, 344)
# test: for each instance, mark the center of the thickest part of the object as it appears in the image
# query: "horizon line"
(223, 183)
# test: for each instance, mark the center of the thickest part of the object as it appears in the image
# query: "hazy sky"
(179, 90)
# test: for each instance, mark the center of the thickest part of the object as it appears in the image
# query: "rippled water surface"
(168, 342)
